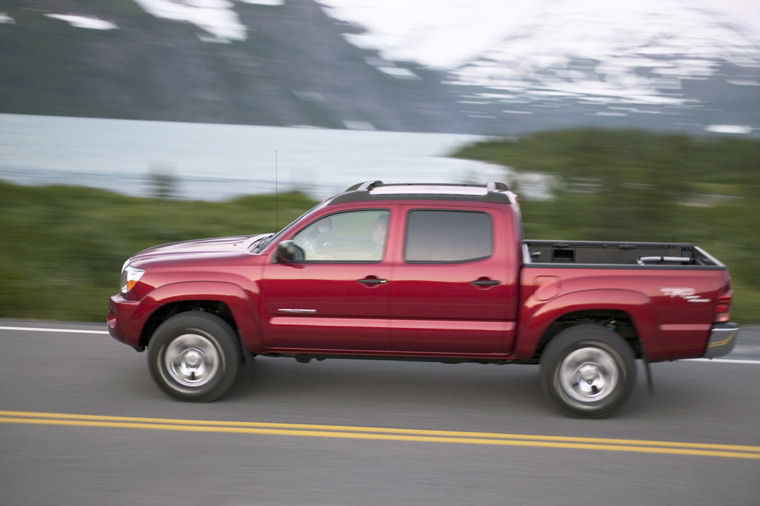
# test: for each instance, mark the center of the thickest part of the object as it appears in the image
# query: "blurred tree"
(631, 185)
(610, 185)
(162, 182)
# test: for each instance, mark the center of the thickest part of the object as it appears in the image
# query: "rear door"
(454, 286)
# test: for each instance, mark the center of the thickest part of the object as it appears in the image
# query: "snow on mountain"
(216, 17)
(526, 51)
(271, 3)
(436, 33)
(87, 22)
(635, 53)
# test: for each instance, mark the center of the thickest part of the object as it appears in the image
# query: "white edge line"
(105, 332)
(724, 360)
(48, 329)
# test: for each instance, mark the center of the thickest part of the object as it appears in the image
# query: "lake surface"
(217, 162)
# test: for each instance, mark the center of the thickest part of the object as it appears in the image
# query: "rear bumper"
(722, 339)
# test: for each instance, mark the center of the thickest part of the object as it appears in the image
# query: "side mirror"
(289, 252)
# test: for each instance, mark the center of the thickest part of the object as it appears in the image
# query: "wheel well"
(218, 308)
(618, 321)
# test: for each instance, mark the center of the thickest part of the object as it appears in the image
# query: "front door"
(336, 298)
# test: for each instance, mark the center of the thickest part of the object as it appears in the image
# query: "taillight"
(723, 309)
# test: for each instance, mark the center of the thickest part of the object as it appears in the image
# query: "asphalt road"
(320, 433)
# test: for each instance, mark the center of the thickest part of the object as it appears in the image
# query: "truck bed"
(590, 253)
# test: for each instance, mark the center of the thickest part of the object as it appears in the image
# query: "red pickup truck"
(422, 272)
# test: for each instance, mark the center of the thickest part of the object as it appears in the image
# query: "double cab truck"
(423, 272)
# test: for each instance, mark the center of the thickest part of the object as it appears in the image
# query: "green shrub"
(63, 247)
(640, 186)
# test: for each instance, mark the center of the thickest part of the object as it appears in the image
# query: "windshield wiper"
(261, 243)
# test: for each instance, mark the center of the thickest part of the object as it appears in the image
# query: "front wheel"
(588, 370)
(194, 356)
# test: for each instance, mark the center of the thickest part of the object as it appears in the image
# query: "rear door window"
(434, 236)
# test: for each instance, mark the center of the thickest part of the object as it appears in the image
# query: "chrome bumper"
(722, 339)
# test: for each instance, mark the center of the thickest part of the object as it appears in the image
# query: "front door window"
(356, 236)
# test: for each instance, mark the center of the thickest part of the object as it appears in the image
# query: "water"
(217, 162)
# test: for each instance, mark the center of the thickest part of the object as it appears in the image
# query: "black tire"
(588, 370)
(194, 356)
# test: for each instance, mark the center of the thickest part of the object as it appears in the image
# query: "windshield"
(259, 245)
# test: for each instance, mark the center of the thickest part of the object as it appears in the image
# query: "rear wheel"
(194, 356)
(588, 370)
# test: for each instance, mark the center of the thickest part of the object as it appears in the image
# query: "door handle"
(485, 282)
(372, 281)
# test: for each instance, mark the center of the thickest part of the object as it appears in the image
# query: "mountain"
(487, 67)
(292, 68)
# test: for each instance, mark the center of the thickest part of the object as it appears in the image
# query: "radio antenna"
(276, 196)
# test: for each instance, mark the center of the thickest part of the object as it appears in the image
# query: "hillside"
(294, 68)
(487, 67)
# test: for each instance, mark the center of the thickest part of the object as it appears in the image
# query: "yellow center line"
(387, 434)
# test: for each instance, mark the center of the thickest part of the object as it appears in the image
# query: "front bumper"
(722, 339)
(124, 322)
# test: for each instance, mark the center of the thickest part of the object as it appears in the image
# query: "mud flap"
(647, 370)
(250, 370)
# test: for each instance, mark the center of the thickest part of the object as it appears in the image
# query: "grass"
(63, 247)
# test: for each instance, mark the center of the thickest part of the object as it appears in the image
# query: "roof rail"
(493, 191)
(497, 186)
(365, 186)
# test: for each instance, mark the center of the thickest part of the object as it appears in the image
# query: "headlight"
(129, 277)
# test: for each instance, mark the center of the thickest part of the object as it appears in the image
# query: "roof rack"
(365, 186)
(491, 186)
(494, 191)
(497, 186)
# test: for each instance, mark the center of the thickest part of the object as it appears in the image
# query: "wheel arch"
(228, 301)
(628, 312)
(616, 320)
(166, 311)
